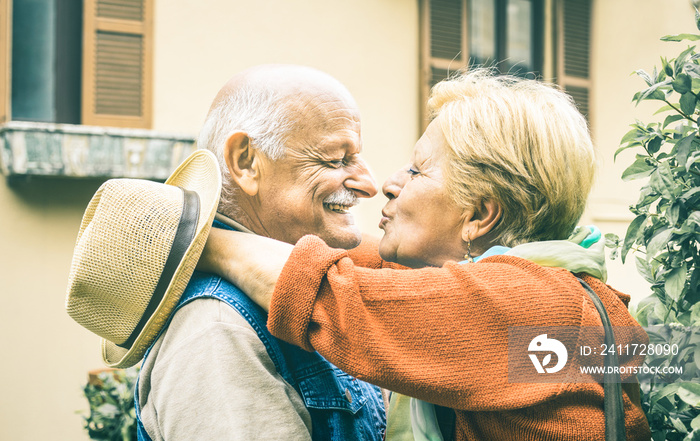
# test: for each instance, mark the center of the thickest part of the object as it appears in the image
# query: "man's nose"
(361, 180)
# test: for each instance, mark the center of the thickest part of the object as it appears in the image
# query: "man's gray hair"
(261, 113)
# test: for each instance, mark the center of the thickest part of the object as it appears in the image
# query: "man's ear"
(243, 162)
(478, 223)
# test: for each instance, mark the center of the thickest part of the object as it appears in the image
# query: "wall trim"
(77, 151)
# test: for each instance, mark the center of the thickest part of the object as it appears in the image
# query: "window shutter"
(443, 42)
(117, 58)
(5, 15)
(574, 50)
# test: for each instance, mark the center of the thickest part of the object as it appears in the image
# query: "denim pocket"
(331, 388)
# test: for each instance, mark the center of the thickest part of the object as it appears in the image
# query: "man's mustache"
(342, 197)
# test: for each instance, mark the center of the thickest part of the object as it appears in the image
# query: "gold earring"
(468, 257)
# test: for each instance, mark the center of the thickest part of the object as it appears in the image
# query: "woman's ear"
(243, 162)
(478, 223)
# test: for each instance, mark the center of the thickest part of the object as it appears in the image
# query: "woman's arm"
(439, 334)
(251, 262)
(254, 263)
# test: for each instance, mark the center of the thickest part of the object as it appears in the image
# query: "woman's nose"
(394, 183)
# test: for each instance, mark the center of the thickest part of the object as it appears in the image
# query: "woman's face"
(422, 225)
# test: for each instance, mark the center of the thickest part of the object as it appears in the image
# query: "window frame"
(93, 24)
(428, 62)
(5, 50)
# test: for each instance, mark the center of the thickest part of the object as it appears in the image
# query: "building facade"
(92, 89)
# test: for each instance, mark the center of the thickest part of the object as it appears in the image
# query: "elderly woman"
(500, 177)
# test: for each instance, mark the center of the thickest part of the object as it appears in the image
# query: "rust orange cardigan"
(440, 334)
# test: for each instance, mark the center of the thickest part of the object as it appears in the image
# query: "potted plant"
(665, 239)
(110, 394)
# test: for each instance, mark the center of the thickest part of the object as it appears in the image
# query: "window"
(77, 61)
(510, 36)
(506, 34)
(573, 23)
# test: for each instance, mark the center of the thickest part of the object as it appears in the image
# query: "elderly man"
(288, 143)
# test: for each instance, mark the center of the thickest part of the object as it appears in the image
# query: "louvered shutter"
(443, 41)
(117, 58)
(574, 51)
(4, 59)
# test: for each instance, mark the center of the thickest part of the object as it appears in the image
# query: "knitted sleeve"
(438, 334)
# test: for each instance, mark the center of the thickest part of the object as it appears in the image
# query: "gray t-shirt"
(210, 377)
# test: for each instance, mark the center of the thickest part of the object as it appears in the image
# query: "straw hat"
(138, 245)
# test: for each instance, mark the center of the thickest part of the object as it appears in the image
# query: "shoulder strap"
(446, 421)
(612, 387)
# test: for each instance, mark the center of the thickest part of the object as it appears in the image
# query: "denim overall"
(341, 407)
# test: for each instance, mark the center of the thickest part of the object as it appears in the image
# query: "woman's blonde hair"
(520, 143)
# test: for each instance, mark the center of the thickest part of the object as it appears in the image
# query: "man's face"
(310, 190)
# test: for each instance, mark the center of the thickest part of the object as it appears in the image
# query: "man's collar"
(231, 223)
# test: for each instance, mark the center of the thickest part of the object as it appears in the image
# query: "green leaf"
(680, 37)
(658, 242)
(639, 169)
(675, 282)
(644, 269)
(612, 240)
(694, 219)
(671, 118)
(654, 144)
(632, 135)
(666, 108)
(688, 103)
(683, 147)
(645, 76)
(647, 196)
(695, 321)
(666, 68)
(678, 424)
(694, 71)
(662, 180)
(688, 195)
(695, 424)
(632, 233)
(680, 60)
(673, 212)
(682, 84)
(660, 310)
(690, 393)
(692, 159)
(625, 147)
(653, 92)
(666, 391)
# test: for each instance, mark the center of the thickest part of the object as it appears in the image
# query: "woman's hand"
(252, 263)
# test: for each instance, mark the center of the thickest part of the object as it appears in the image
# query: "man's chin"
(347, 239)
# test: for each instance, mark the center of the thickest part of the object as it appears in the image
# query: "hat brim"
(199, 173)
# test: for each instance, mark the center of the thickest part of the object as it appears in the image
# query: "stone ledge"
(42, 149)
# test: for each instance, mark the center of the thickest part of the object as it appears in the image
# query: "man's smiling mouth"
(337, 208)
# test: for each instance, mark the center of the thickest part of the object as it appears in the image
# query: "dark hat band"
(184, 235)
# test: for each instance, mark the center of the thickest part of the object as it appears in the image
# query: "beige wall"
(45, 354)
(626, 37)
(371, 46)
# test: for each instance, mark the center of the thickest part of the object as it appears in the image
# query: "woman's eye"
(412, 171)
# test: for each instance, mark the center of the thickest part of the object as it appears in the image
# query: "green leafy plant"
(665, 238)
(111, 398)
